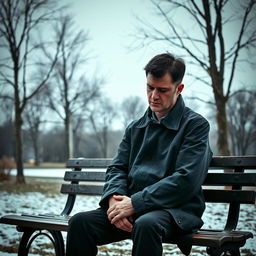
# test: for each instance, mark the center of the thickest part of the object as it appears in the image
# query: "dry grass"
(45, 165)
(42, 185)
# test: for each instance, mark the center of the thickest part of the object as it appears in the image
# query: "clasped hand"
(120, 212)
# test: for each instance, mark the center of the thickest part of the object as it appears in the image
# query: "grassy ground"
(42, 185)
(45, 165)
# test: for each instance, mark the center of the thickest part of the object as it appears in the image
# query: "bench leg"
(29, 235)
(23, 248)
(59, 243)
(235, 252)
(223, 252)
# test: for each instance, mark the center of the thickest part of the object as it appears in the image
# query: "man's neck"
(157, 117)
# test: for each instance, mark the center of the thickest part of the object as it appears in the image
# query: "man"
(153, 190)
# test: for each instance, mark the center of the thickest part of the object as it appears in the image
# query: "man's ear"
(180, 88)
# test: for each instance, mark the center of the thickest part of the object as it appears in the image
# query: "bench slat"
(84, 176)
(88, 162)
(37, 222)
(222, 196)
(228, 179)
(81, 189)
(229, 196)
(226, 162)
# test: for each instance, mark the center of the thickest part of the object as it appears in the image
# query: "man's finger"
(112, 215)
(116, 218)
(124, 224)
(127, 224)
(118, 197)
(111, 209)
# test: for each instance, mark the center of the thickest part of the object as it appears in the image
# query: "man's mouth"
(155, 103)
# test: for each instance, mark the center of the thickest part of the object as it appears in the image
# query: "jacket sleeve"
(190, 171)
(117, 172)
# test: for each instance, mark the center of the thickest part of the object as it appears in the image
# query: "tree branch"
(198, 9)
(238, 48)
(181, 43)
(7, 79)
(219, 25)
(6, 97)
(240, 91)
(52, 105)
(200, 99)
(43, 82)
(199, 79)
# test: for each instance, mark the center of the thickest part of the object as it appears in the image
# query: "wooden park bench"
(240, 190)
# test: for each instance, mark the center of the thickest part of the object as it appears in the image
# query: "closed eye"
(162, 90)
(150, 87)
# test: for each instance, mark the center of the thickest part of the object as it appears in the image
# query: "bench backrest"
(233, 185)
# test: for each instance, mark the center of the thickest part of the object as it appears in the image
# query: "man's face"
(162, 94)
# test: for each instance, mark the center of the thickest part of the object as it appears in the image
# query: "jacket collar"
(170, 121)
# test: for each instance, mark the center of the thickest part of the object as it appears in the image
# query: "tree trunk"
(36, 151)
(67, 153)
(18, 128)
(68, 137)
(105, 141)
(221, 118)
(19, 154)
(70, 142)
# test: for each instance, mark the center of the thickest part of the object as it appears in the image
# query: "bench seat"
(211, 238)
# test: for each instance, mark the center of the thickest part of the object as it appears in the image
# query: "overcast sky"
(110, 24)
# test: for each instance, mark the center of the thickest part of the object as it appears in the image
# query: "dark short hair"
(164, 63)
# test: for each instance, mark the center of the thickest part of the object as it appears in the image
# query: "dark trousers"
(89, 229)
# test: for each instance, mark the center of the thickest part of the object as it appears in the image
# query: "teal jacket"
(162, 165)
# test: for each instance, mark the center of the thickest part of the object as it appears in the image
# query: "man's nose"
(155, 95)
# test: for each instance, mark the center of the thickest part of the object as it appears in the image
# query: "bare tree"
(102, 118)
(19, 20)
(34, 117)
(206, 43)
(79, 126)
(242, 122)
(132, 108)
(70, 92)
